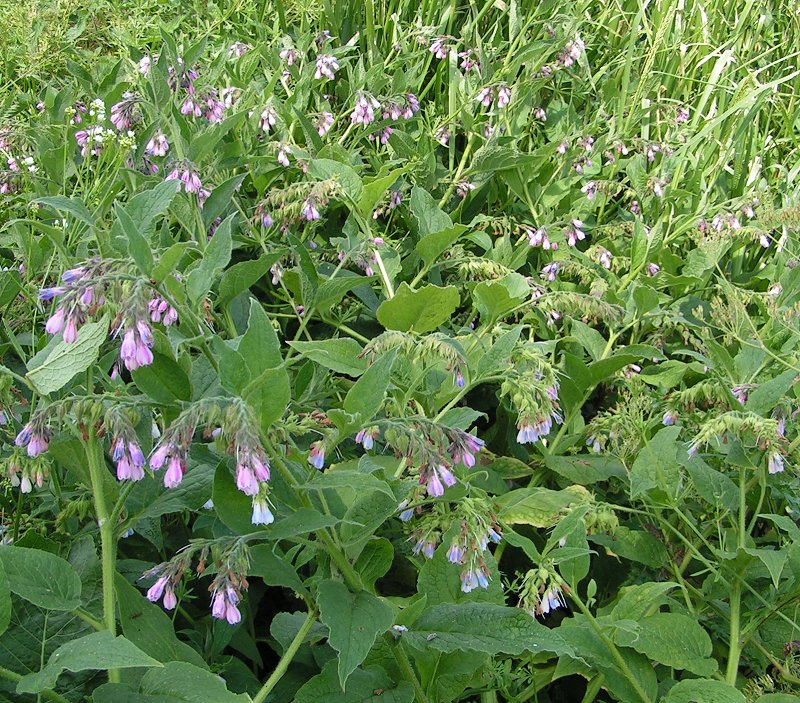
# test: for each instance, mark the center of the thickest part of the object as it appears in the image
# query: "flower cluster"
(532, 388)
(298, 202)
(25, 473)
(540, 592)
(491, 93)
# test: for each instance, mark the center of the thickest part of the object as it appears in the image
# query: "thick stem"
(404, 663)
(287, 658)
(108, 546)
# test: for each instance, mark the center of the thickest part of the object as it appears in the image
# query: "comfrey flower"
(188, 178)
(309, 210)
(549, 272)
(163, 586)
(503, 96)
(540, 593)
(435, 478)
(224, 605)
(238, 49)
(144, 64)
(670, 418)
(574, 232)
(324, 123)
(775, 463)
(463, 188)
(653, 269)
(214, 109)
(327, 66)
(130, 460)
(290, 56)
(316, 457)
(364, 110)
(590, 190)
(124, 113)
(35, 437)
(282, 155)
(174, 456)
(192, 106)
(158, 145)
(438, 47)
(366, 437)
(137, 343)
(485, 96)
(268, 119)
(161, 311)
(538, 238)
(464, 448)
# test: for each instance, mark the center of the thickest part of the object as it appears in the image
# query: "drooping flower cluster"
(494, 93)
(364, 110)
(540, 592)
(125, 113)
(125, 448)
(532, 387)
(25, 473)
(35, 435)
(188, 179)
(326, 67)
(433, 450)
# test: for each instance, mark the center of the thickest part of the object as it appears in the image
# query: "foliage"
(436, 352)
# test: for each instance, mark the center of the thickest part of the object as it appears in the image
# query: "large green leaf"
(67, 360)
(99, 650)
(672, 639)
(163, 381)
(371, 685)
(259, 346)
(537, 506)
(367, 394)
(215, 258)
(656, 465)
(340, 355)
(42, 578)
(483, 627)
(428, 216)
(421, 310)
(703, 691)
(355, 620)
(148, 627)
(5, 600)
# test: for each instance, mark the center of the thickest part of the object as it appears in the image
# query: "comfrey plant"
(392, 358)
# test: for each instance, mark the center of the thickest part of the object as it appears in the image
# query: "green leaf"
(367, 394)
(778, 698)
(586, 469)
(440, 581)
(589, 338)
(339, 355)
(147, 626)
(639, 246)
(232, 506)
(656, 465)
(357, 480)
(146, 207)
(5, 599)
(215, 258)
(41, 578)
(712, 486)
(68, 360)
(138, 248)
(637, 601)
(220, 198)
(260, 346)
(331, 291)
(674, 640)
(428, 216)
(483, 627)
(636, 545)
(302, 522)
(346, 177)
(99, 650)
(496, 298)
(355, 620)
(764, 398)
(73, 206)
(537, 506)
(374, 191)
(275, 570)
(164, 380)
(432, 245)
(374, 561)
(268, 395)
(371, 685)
(239, 277)
(421, 310)
(309, 277)
(773, 559)
(703, 691)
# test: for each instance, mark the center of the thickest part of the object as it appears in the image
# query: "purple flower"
(262, 515)
(224, 605)
(326, 66)
(289, 55)
(316, 456)
(503, 96)
(459, 378)
(47, 294)
(485, 96)
(137, 342)
(268, 119)
(653, 269)
(309, 210)
(174, 473)
(283, 155)
(366, 437)
(55, 323)
(160, 455)
(158, 145)
(246, 480)
(775, 463)
(324, 123)
(455, 555)
(438, 47)
(670, 418)
(364, 110)
(590, 190)
(549, 272)
(170, 601)
(155, 591)
(191, 107)
(574, 232)
(71, 329)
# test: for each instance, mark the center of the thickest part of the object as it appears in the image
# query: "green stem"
(404, 663)
(612, 648)
(108, 547)
(47, 693)
(89, 619)
(287, 658)
(735, 645)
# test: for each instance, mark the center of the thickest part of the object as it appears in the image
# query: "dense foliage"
(400, 352)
